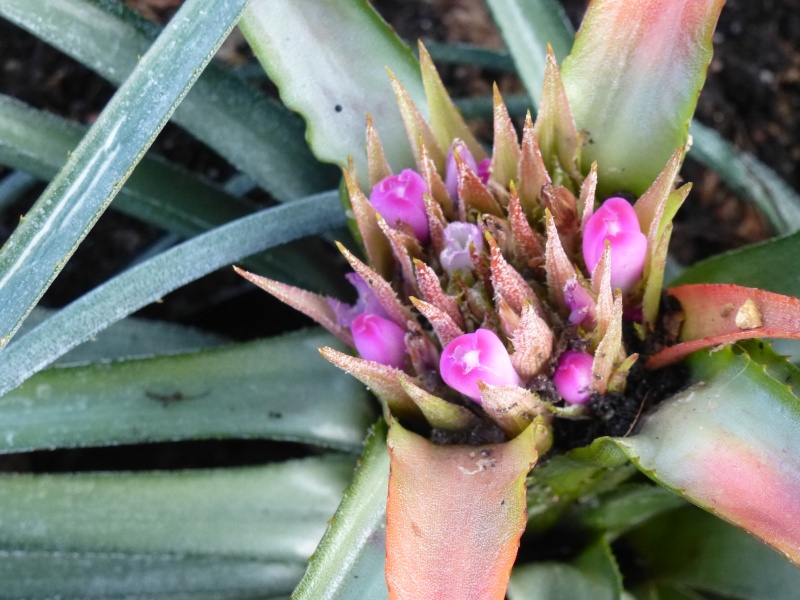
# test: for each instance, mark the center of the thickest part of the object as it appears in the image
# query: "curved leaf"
(349, 562)
(272, 389)
(454, 515)
(63, 215)
(593, 574)
(690, 548)
(729, 444)
(764, 265)
(323, 56)
(150, 280)
(632, 79)
(257, 135)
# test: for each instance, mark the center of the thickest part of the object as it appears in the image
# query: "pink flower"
(474, 357)
(616, 223)
(573, 376)
(579, 302)
(379, 340)
(367, 303)
(484, 170)
(400, 198)
(458, 237)
(451, 167)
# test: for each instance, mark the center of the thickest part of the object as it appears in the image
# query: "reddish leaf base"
(717, 314)
(454, 517)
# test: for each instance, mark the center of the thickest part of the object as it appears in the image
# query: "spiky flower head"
(493, 283)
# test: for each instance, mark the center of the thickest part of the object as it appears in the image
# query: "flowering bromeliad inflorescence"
(494, 287)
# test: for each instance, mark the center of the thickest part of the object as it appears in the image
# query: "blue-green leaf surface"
(350, 560)
(231, 531)
(527, 27)
(254, 133)
(329, 60)
(75, 199)
(278, 389)
(150, 280)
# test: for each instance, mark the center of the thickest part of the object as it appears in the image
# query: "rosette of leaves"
(595, 526)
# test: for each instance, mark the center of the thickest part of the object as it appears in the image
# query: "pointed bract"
(376, 159)
(533, 173)
(379, 251)
(312, 305)
(559, 268)
(445, 328)
(533, 344)
(436, 187)
(439, 413)
(432, 292)
(608, 353)
(508, 283)
(506, 151)
(528, 249)
(513, 408)
(446, 120)
(473, 192)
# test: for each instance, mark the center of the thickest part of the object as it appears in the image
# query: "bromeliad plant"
(509, 314)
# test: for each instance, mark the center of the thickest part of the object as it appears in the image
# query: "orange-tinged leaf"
(719, 313)
(446, 120)
(454, 516)
(312, 305)
(633, 78)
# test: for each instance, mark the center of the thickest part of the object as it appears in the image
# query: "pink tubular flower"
(367, 303)
(616, 223)
(451, 167)
(573, 376)
(474, 357)
(400, 198)
(458, 237)
(484, 170)
(579, 302)
(379, 340)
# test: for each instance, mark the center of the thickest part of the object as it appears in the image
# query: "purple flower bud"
(400, 198)
(573, 376)
(379, 340)
(451, 167)
(458, 237)
(579, 302)
(484, 170)
(616, 222)
(367, 303)
(474, 357)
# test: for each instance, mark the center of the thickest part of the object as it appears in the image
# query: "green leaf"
(748, 178)
(128, 338)
(349, 562)
(150, 280)
(593, 574)
(166, 532)
(63, 215)
(157, 192)
(729, 444)
(473, 56)
(276, 389)
(527, 27)
(765, 265)
(690, 548)
(257, 135)
(632, 79)
(323, 56)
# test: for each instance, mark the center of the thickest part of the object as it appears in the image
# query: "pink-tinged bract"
(379, 340)
(399, 198)
(573, 377)
(451, 168)
(458, 237)
(474, 357)
(616, 223)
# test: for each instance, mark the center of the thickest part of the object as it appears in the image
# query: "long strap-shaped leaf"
(255, 134)
(269, 389)
(150, 280)
(98, 167)
(329, 59)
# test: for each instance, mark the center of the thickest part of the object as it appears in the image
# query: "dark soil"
(752, 98)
